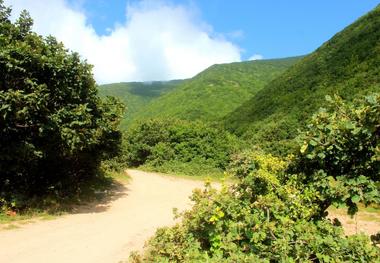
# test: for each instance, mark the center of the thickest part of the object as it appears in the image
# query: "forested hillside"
(210, 95)
(347, 65)
(136, 95)
(216, 91)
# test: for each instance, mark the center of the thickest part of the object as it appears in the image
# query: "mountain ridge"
(208, 96)
(347, 65)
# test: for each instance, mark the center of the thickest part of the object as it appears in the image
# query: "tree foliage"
(54, 129)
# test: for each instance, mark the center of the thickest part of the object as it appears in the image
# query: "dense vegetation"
(347, 65)
(137, 95)
(209, 96)
(277, 212)
(216, 91)
(340, 153)
(280, 104)
(203, 99)
(182, 147)
(54, 129)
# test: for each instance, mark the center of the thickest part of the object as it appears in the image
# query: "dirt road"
(108, 232)
(105, 233)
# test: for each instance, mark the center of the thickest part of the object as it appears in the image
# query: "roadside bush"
(340, 153)
(263, 218)
(276, 212)
(118, 161)
(273, 136)
(179, 146)
(192, 168)
(54, 129)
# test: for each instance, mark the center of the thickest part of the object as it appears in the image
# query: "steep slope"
(136, 95)
(347, 65)
(216, 91)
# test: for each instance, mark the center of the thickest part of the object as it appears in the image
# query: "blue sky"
(272, 28)
(145, 40)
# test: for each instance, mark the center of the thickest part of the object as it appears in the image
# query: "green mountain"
(217, 91)
(136, 95)
(346, 65)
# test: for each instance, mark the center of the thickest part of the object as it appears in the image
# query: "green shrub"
(340, 153)
(263, 218)
(179, 146)
(193, 168)
(118, 161)
(54, 129)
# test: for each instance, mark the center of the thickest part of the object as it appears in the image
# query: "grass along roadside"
(8, 222)
(205, 177)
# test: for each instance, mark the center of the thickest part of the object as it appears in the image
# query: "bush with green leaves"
(277, 211)
(265, 217)
(54, 129)
(166, 145)
(340, 153)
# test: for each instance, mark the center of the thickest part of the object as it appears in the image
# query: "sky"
(145, 40)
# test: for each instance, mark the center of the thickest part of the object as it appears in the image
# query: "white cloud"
(159, 41)
(256, 57)
(237, 34)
